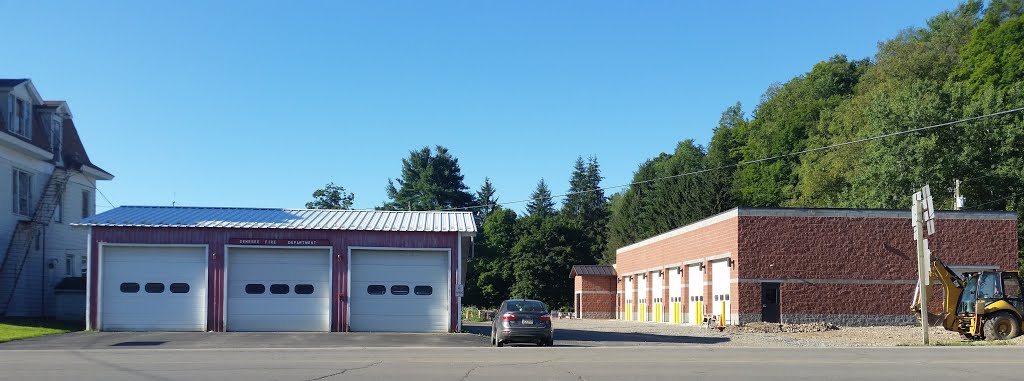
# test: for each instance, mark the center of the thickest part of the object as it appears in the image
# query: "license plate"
(527, 321)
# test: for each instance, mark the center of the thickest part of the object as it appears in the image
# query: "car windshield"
(526, 306)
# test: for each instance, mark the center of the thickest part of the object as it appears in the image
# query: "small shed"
(594, 296)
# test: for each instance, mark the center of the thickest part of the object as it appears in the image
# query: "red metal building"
(235, 269)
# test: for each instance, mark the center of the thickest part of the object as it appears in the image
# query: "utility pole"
(958, 199)
(923, 219)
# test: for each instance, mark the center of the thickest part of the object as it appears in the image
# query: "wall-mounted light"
(645, 275)
(702, 266)
(661, 273)
(679, 270)
(731, 262)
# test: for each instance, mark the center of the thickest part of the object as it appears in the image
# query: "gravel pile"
(823, 334)
(779, 328)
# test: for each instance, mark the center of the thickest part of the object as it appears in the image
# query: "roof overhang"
(20, 145)
(96, 173)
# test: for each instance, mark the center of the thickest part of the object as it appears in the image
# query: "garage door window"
(279, 289)
(376, 289)
(424, 290)
(255, 289)
(179, 288)
(154, 288)
(303, 289)
(399, 290)
(129, 288)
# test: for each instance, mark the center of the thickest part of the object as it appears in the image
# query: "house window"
(85, 266)
(58, 212)
(86, 204)
(21, 115)
(69, 265)
(22, 191)
(56, 137)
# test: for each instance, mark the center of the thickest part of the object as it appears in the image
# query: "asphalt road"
(514, 363)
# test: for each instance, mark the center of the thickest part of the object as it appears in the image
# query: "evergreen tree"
(487, 200)
(541, 203)
(430, 181)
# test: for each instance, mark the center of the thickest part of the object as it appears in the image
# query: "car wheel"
(550, 342)
(1001, 326)
(498, 344)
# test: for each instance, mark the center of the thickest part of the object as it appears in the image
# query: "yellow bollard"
(700, 314)
(721, 322)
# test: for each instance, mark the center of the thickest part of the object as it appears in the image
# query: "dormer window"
(20, 116)
(56, 137)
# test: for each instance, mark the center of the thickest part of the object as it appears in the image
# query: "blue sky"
(258, 103)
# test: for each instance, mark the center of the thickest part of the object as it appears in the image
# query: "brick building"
(594, 297)
(846, 266)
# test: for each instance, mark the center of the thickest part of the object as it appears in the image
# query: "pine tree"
(430, 181)
(541, 203)
(487, 200)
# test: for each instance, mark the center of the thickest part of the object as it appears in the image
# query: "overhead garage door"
(279, 289)
(399, 291)
(720, 281)
(675, 292)
(153, 288)
(628, 313)
(695, 290)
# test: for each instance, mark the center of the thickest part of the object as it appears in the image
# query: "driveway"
(237, 340)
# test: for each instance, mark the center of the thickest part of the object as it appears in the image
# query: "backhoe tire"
(1001, 326)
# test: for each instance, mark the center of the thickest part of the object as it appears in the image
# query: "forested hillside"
(966, 63)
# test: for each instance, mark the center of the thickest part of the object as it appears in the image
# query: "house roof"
(11, 82)
(592, 270)
(267, 218)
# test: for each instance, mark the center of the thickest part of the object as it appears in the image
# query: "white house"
(48, 182)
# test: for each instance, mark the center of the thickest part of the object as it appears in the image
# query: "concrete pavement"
(516, 363)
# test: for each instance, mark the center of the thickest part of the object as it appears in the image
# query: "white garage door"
(657, 288)
(695, 288)
(153, 288)
(720, 289)
(628, 313)
(399, 291)
(279, 289)
(675, 292)
(641, 295)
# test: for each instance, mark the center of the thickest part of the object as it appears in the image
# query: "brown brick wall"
(597, 296)
(857, 266)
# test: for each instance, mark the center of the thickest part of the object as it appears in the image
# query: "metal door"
(770, 311)
(628, 313)
(675, 289)
(657, 290)
(696, 294)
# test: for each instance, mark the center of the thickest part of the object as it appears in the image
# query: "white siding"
(34, 295)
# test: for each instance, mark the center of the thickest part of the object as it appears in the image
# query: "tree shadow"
(587, 337)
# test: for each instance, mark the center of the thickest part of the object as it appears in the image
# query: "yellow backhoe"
(980, 305)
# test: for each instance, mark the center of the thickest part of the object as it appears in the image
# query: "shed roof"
(267, 218)
(591, 270)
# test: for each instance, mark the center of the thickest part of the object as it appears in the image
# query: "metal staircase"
(21, 242)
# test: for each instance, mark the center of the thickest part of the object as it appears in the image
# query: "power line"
(755, 161)
(998, 200)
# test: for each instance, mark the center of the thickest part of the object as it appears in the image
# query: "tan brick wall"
(716, 239)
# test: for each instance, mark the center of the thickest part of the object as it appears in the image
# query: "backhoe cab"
(982, 305)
